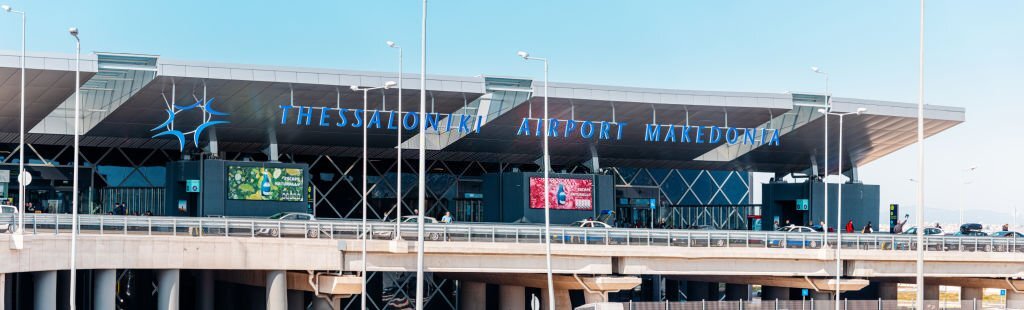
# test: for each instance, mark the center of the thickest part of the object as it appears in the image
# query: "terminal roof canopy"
(127, 96)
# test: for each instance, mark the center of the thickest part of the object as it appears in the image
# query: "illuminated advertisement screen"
(266, 184)
(565, 194)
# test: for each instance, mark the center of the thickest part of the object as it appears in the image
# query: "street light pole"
(839, 207)
(920, 163)
(398, 144)
(362, 235)
(828, 108)
(74, 186)
(547, 173)
(421, 191)
(21, 130)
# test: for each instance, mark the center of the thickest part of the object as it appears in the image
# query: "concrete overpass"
(584, 262)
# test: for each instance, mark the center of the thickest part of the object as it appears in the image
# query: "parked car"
(797, 241)
(8, 227)
(927, 231)
(1008, 234)
(432, 236)
(311, 231)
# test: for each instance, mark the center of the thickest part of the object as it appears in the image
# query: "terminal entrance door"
(636, 206)
(468, 210)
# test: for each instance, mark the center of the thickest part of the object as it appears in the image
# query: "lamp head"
(73, 31)
(354, 88)
(389, 84)
(391, 43)
(861, 110)
(815, 69)
(7, 8)
(523, 54)
(972, 168)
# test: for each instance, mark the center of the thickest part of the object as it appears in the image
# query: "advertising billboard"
(266, 184)
(565, 194)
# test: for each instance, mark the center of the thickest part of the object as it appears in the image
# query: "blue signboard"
(802, 204)
(653, 203)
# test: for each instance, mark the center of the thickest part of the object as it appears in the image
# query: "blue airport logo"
(208, 114)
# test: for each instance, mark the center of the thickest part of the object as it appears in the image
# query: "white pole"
(74, 187)
(920, 164)
(398, 177)
(839, 213)
(21, 136)
(547, 197)
(362, 235)
(422, 166)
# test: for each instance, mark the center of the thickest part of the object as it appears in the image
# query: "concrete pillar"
(1014, 300)
(512, 297)
(971, 293)
(888, 290)
(45, 290)
(104, 283)
(771, 293)
(168, 284)
(737, 291)
(296, 300)
(696, 291)
(205, 290)
(473, 295)
(3, 291)
(822, 299)
(931, 292)
(323, 304)
(561, 299)
(277, 290)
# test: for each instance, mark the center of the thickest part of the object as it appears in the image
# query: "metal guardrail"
(809, 304)
(497, 232)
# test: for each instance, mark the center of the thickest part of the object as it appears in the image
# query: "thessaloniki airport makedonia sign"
(466, 124)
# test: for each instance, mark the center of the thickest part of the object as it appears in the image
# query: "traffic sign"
(25, 178)
(653, 203)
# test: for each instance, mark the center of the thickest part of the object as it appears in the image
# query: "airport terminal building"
(191, 138)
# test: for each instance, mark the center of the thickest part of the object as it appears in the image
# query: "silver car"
(8, 227)
(310, 231)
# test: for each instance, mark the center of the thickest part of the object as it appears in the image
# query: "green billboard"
(266, 184)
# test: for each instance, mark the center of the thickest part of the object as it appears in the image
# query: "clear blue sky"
(973, 53)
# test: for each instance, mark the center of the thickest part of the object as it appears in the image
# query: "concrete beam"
(328, 283)
(561, 282)
(818, 284)
(719, 266)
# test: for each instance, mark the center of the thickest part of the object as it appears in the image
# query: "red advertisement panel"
(564, 194)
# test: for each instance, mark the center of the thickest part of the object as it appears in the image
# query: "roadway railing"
(497, 232)
(806, 304)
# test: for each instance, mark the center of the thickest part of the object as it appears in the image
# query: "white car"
(794, 228)
(590, 224)
(8, 227)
